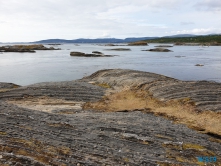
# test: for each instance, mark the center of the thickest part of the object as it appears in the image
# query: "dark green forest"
(197, 39)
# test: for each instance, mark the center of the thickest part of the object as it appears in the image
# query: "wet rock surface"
(74, 136)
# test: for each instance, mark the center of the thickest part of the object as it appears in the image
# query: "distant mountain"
(113, 40)
(99, 40)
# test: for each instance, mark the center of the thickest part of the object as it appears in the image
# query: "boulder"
(109, 44)
(97, 52)
(199, 65)
(159, 50)
(139, 43)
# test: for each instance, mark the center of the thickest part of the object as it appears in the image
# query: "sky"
(33, 20)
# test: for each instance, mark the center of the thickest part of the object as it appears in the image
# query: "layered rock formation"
(49, 123)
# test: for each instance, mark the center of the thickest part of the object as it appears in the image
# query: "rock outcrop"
(119, 49)
(25, 48)
(47, 123)
(94, 54)
(163, 46)
(198, 44)
(199, 65)
(110, 44)
(139, 43)
(205, 94)
(97, 52)
(186, 44)
(158, 50)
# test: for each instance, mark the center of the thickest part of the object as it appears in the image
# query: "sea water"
(58, 65)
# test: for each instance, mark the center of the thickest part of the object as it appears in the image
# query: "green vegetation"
(198, 39)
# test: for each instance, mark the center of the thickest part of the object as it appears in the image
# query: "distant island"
(99, 40)
(206, 40)
(212, 39)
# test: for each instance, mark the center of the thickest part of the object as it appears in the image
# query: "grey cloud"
(209, 5)
(3, 22)
(98, 18)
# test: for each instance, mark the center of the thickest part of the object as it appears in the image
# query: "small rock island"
(94, 54)
(26, 48)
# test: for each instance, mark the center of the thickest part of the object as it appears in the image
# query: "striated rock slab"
(93, 138)
(69, 135)
(206, 94)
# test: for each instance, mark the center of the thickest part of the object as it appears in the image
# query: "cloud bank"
(26, 20)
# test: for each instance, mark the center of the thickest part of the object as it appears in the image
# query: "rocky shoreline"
(61, 123)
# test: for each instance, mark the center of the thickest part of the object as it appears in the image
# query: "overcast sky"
(32, 20)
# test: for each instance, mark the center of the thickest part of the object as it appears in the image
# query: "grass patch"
(163, 137)
(4, 90)
(180, 111)
(41, 152)
(193, 146)
(3, 133)
(104, 85)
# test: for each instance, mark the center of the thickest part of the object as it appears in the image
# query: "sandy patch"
(46, 104)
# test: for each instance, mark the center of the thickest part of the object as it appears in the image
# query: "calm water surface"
(58, 65)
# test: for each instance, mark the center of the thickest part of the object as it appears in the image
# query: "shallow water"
(58, 65)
